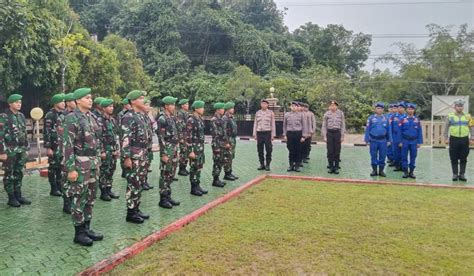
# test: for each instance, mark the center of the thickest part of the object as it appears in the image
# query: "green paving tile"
(40, 236)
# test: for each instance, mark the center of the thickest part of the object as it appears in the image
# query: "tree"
(244, 86)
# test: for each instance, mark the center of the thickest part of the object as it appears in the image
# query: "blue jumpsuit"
(411, 136)
(395, 131)
(378, 135)
(389, 148)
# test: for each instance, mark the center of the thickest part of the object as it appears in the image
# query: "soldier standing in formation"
(395, 128)
(195, 142)
(333, 129)
(378, 137)
(310, 121)
(134, 143)
(82, 149)
(457, 128)
(264, 131)
(168, 139)
(295, 131)
(125, 108)
(411, 138)
(392, 109)
(181, 120)
(220, 143)
(51, 137)
(110, 140)
(13, 150)
(151, 128)
(231, 131)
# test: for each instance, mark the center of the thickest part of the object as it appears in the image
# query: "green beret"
(219, 105)
(229, 105)
(69, 97)
(81, 93)
(135, 94)
(106, 102)
(169, 100)
(58, 98)
(125, 101)
(14, 98)
(183, 101)
(98, 100)
(197, 104)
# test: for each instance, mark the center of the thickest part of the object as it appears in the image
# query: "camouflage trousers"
(196, 166)
(183, 155)
(55, 169)
(148, 165)
(13, 168)
(83, 191)
(168, 169)
(221, 158)
(229, 155)
(107, 170)
(135, 179)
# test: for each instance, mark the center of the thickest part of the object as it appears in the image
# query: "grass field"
(295, 227)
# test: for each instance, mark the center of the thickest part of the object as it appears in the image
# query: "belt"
(334, 130)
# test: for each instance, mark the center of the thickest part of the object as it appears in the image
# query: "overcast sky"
(400, 17)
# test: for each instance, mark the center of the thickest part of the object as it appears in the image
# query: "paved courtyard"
(37, 239)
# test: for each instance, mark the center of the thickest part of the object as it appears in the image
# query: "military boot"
(405, 173)
(104, 195)
(172, 201)
(195, 190)
(462, 171)
(412, 174)
(291, 167)
(262, 166)
(90, 233)
(182, 171)
(81, 237)
(134, 217)
(164, 202)
(112, 194)
(204, 192)
(142, 215)
(336, 167)
(217, 182)
(67, 205)
(296, 167)
(374, 171)
(229, 176)
(267, 167)
(235, 176)
(12, 201)
(54, 189)
(22, 200)
(455, 168)
(381, 172)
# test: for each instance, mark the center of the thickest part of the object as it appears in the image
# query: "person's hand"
(254, 137)
(446, 141)
(127, 163)
(273, 139)
(181, 141)
(302, 139)
(228, 146)
(418, 146)
(283, 138)
(3, 157)
(50, 152)
(471, 142)
(165, 158)
(72, 176)
(192, 155)
(400, 145)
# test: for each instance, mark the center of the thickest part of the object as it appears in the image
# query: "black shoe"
(149, 186)
(235, 176)
(229, 176)
(398, 169)
(140, 214)
(195, 190)
(336, 167)
(267, 167)
(164, 202)
(172, 201)
(22, 200)
(462, 178)
(391, 165)
(381, 172)
(54, 190)
(290, 168)
(204, 192)
(175, 179)
(305, 161)
(411, 174)
(145, 186)
(112, 194)
(12, 201)
(405, 174)
(462, 171)
(67, 206)
(183, 172)
(262, 167)
(104, 195)
(218, 183)
(134, 217)
(296, 167)
(455, 177)
(374, 171)
(81, 237)
(124, 174)
(300, 165)
(91, 234)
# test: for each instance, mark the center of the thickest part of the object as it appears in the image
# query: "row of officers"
(84, 141)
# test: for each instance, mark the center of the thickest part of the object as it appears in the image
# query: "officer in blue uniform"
(394, 125)
(411, 138)
(378, 136)
(392, 109)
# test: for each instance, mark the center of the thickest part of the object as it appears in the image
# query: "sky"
(381, 18)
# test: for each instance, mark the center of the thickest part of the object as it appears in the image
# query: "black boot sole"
(134, 220)
(196, 194)
(165, 206)
(83, 243)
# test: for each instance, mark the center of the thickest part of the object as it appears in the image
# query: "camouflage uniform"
(195, 143)
(13, 143)
(181, 121)
(149, 160)
(134, 141)
(63, 186)
(120, 115)
(219, 142)
(51, 139)
(111, 145)
(168, 139)
(231, 131)
(82, 148)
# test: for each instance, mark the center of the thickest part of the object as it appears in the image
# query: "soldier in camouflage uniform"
(181, 120)
(110, 139)
(134, 142)
(70, 107)
(168, 139)
(50, 135)
(220, 143)
(195, 144)
(97, 111)
(151, 128)
(126, 107)
(13, 150)
(231, 130)
(82, 149)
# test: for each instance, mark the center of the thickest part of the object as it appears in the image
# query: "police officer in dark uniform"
(378, 136)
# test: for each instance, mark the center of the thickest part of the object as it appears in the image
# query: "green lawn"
(294, 227)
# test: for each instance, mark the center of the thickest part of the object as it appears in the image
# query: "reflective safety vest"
(459, 126)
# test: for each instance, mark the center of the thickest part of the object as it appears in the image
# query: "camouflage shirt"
(81, 141)
(110, 132)
(195, 139)
(150, 130)
(50, 133)
(13, 137)
(60, 132)
(181, 121)
(167, 132)
(135, 137)
(218, 132)
(230, 125)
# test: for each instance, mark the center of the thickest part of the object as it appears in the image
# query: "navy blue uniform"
(378, 135)
(395, 131)
(410, 137)
(389, 147)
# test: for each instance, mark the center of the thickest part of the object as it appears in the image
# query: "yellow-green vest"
(459, 126)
